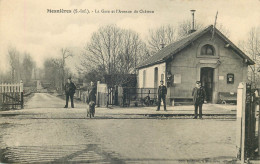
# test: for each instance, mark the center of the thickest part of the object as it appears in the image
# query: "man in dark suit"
(199, 95)
(69, 91)
(162, 92)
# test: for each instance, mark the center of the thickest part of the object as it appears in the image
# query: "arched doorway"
(206, 78)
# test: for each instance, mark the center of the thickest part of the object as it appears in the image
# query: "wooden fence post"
(21, 91)
(3, 91)
(240, 123)
(257, 108)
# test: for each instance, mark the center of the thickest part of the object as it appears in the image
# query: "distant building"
(215, 61)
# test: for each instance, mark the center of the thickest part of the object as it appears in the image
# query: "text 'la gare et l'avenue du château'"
(102, 11)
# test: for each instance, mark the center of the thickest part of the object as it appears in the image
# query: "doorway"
(206, 78)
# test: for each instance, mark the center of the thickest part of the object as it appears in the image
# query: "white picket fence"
(11, 94)
(8, 87)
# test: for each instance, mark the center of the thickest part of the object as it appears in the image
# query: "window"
(162, 77)
(156, 77)
(207, 50)
(144, 77)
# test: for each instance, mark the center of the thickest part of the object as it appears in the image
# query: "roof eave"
(151, 64)
(236, 49)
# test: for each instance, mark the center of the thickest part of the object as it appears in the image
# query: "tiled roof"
(173, 48)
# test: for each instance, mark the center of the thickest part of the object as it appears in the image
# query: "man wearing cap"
(69, 91)
(199, 95)
(162, 91)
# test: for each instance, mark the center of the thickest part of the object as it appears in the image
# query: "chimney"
(192, 28)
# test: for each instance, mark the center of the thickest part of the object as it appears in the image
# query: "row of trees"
(21, 65)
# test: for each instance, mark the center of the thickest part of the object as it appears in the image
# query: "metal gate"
(112, 96)
(250, 122)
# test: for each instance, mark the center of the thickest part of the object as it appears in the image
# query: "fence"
(11, 95)
(247, 124)
(125, 96)
(147, 96)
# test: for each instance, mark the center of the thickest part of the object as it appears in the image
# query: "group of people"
(70, 89)
(198, 93)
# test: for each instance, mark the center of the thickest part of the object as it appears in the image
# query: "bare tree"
(223, 30)
(28, 66)
(53, 72)
(102, 49)
(5, 77)
(165, 35)
(61, 63)
(131, 49)
(112, 50)
(21, 66)
(161, 37)
(14, 61)
(168, 34)
(252, 48)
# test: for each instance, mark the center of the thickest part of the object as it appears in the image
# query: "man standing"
(199, 96)
(69, 91)
(162, 92)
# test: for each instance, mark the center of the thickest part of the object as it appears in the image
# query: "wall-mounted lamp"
(227, 45)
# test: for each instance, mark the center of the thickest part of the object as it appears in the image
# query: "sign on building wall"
(102, 88)
(221, 77)
(177, 78)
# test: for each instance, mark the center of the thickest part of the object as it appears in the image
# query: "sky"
(29, 27)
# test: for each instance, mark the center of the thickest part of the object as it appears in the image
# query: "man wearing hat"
(69, 91)
(162, 91)
(199, 95)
